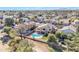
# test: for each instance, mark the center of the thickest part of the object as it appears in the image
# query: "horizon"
(39, 8)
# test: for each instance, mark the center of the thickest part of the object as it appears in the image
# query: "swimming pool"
(36, 35)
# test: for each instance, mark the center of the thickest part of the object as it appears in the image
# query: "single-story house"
(45, 28)
(68, 29)
(25, 28)
(53, 21)
(23, 20)
(40, 19)
(65, 22)
(75, 23)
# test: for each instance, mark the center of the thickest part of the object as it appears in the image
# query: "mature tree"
(20, 14)
(18, 45)
(61, 36)
(24, 46)
(13, 44)
(7, 37)
(74, 44)
(52, 41)
(12, 33)
(21, 20)
(52, 38)
(20, 30)
(9, 21)
(7, 29)
(58, 34)
(77, 28)
(71, 42)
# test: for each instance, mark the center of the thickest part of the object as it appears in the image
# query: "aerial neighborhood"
(39, 31)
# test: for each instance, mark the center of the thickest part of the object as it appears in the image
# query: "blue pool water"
(36, 35)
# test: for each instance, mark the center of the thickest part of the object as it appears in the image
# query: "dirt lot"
(3, 48)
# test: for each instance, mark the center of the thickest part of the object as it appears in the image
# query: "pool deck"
(34, 39)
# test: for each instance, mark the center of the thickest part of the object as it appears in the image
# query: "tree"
(58, 34)
(20, 30)
(74, 44)
(21, 20)
(77, 28)
(52, 38)
(46, 34)
(24, 46)
(7, 29)
(20, 14)
(61, 36)
(9, 22)
(12, 33)
(52, 41)
(18, 45)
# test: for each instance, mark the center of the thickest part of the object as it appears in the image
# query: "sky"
(39, 3)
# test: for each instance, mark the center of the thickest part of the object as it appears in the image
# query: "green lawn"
(45, 38)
